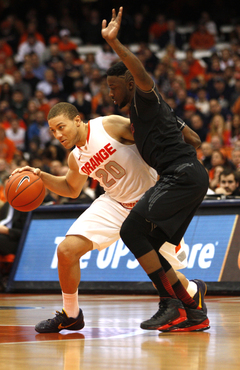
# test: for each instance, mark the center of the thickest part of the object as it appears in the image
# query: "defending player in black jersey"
(165, 211)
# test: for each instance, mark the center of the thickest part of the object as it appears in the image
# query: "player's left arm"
(191, 137)
(110, 32)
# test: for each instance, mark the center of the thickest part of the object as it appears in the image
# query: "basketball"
(25, 191)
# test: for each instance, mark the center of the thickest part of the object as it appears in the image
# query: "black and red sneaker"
(171, 312)
(197, 320)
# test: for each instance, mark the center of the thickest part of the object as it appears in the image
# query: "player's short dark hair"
(67, 109)
(118, 69)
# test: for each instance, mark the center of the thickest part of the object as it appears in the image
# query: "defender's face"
(119, 91)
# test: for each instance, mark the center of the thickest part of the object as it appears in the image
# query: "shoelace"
(57, 317)
(162, 306)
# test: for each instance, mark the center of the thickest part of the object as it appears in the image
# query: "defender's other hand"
(110, 32)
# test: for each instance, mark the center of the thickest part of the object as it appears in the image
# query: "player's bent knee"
(72, 248)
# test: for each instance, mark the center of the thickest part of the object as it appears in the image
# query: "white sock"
(192, 288)
(70, 304)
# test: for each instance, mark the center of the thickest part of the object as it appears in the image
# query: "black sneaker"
(59, 322)
(171, 312)
(199, 296)
(197, 320)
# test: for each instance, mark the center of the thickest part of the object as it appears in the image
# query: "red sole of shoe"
(177, 321)
(199, 327)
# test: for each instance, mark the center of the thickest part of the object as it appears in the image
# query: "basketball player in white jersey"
(104, 150)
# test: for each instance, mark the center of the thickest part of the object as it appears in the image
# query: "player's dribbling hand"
(110, 32)
(37, 171)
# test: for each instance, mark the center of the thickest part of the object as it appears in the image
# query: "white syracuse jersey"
(119, 168)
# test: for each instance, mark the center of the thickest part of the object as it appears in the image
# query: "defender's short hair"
(67, 109)
(118, 69)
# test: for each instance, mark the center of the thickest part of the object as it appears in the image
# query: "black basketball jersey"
(157, 131)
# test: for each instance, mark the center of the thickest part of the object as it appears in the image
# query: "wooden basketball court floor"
(112, 338)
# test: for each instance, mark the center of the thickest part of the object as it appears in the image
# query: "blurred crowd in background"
(46, 58)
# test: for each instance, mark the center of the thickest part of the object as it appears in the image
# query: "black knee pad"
(134, 232)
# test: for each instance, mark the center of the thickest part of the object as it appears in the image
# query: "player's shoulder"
(116, 120)
(118, 127)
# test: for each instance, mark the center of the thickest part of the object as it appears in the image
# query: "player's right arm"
(69, 186)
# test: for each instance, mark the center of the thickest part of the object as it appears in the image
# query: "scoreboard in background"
(212, 242)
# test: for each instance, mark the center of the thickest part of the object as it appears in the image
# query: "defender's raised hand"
(110, 32)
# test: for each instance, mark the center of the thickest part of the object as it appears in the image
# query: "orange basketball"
(25, 191)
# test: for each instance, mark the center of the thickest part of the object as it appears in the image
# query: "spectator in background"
(32, 29)
(197, 68)
(5, 50)
(17, 134)
(197, 125)
(214, 182)
(206, 154)
(31, 45)
(217, 159)
(65, 43)
(10, 66)
(21, 85)
(216, 108)
(9, 32)
(235, 158)
(6, 92)
(226, 59)
(38, 67)
(236, 90)
(235, 129)
(202, 101)
(139, 29)
(18, 103)
(157, 28)
(45, 85)
(5, 77)
(82, 104)
(171, 36)
(219, 127)
(95, 82)
(42, 101)
(201, 39)
(39, 129)
(228, 183)
(7, 147)
(211, 25)
(54, 55)
(105, 56)
(188, 111)
(235, 34)
(147, 57)
(29, 77)
(90, 32)
(218, 89)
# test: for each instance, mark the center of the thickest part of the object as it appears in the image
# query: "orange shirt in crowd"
(7, 149)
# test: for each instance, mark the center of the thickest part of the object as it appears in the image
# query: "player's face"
(68, 132)
(119, 91)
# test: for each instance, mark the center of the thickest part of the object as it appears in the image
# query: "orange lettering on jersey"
(98, 158)
(103, 153)
(110, 149)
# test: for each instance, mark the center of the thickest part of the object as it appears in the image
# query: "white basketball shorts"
(101, 224)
